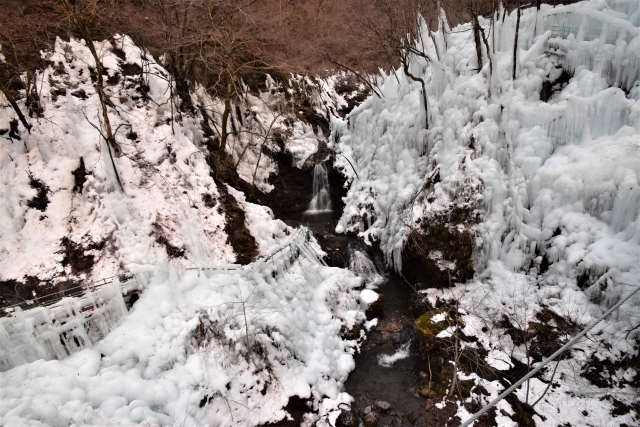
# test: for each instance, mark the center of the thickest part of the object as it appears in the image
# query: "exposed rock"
(240, 238)
(431, 403)
(371, 419)
(41, 200)
(427, 393)
(76, 256)
(442, 241)
(351, 334)
(413, 417)
(375, 308)
(382, 405)
(79, 177)
(347, 419)
(427, 329)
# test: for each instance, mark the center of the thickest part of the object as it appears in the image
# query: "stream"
(386, 379)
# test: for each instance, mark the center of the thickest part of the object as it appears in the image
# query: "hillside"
(295, 245)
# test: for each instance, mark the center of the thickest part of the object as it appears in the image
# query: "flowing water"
(321, 201)
(388, 365)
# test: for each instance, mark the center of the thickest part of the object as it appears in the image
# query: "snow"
(440, 317)
(269, 116)
(164, 172)
(368, 296)
(370, 324)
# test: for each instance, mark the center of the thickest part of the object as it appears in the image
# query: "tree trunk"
(79, 24)
(490, 56)
(515, 44)
(493, 27)
(405, 67)
(13, 103)
(225, 119)
(476, 39)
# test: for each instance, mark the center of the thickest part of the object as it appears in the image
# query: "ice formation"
(56, 331)
(556, 180)
(362, 266)
(159, 158)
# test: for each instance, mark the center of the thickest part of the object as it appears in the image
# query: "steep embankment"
(65, 218)
(522, 192)
(224, 347)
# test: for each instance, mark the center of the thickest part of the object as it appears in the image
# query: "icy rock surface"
(362, 265)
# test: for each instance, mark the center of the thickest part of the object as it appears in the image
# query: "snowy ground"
(557, 183)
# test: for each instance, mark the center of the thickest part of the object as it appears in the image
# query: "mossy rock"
(424, 326)
(427, 330)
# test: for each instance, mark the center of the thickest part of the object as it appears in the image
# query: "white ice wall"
(569, 166)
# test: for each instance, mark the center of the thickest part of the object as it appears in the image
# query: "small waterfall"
(361, 265)
(321, 201)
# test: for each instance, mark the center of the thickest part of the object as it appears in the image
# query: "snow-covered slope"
(221, 348)
(554, 183)
(163, 169)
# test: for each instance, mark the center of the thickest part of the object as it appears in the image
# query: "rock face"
(293, 187)
(439, 253)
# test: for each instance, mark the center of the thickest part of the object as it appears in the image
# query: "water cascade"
(361, 265)
(321, 201)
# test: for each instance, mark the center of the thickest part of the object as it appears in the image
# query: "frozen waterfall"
(321, 201)
(361, 265)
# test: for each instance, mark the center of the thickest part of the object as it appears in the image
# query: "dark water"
(398, 384)
(371, 382)
(322, 223)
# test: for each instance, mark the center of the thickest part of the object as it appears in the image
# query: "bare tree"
(222, 51)
(515, 44)
(82, 14)
(392, 30)
(14, 105)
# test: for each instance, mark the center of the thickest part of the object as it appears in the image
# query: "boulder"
(376, 307)
(371, 419)
(382, 405)
(347, 419)
(427, 328)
